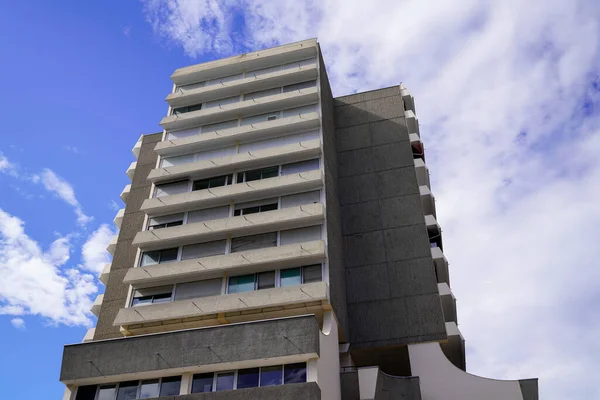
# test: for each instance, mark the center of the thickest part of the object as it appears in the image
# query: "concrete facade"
(348, 287)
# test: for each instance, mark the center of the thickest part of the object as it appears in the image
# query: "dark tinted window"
(225, 381)
(294, 373)
(247, 378)
(168, 255)
(170, 386)
(86, 392)
(254, 242)
(270, 376)
(202, 383)
(127, 390)
(212, 182)
(258, 174)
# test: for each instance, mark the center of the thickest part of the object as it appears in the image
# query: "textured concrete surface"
(529, 389)
(337, 283)
(391, 284)
(349, 382)
(229, 343)
(394, 387)
(293, 391)
(115, 294)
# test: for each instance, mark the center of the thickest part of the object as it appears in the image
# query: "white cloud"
(38, 282)
(114, 206)
(64, 190)
(6, 167)
(72, 149)
(507, 93)
(94, 252)
(18, 323)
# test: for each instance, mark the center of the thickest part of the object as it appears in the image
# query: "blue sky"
(507, 97)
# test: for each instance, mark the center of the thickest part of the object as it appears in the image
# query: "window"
(299, 110)
(301, 199)
(208, 214)
(107, 392)
(270, 376)
(312, 273)
(220, 126)
(279, 141)
(183, 133)
(146, 389)
(159, 256)
(191, 86)
(291, 277)
(255, 207)
(300, 235)
(247, 378)
(222, 102)
(191, 290)
(257, 174)
(303, 166)
(254, 242)
(177, 160)
(255, 119)
(142, 297)
(86, 392)
(299, 64)
(203, 250)
(212, 182)
(225, 381)
(202, 383)
(240, 284)
(170, 386)
(299, 86)
(262, 93)
(168, 189)
(165, 221)
(127, 390)
(224, 79)
(265, 280)
(150, 389)
(186, 109)
(294, 373)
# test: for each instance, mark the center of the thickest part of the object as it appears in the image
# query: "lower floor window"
(131, 390)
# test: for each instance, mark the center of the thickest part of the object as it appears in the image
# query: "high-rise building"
(278, 243)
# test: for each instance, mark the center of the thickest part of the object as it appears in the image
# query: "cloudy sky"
(507, 95)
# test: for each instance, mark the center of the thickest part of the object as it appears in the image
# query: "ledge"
(300, 151)
(290, 256)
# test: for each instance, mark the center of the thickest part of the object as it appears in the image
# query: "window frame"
(117, 385)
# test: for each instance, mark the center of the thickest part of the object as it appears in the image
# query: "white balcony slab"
(270, 221)
(118, 220)
(104, 274)
(137, 147)
(448, 302)
(226, 112)
(245, 133)
(112, 245)
(131, 170)
(97, 304)
(125, 193)
(242, 161)
(427, 201)
(441, 265)
(240, 192)
(251, 261)
(422, 173)
(228, 303)
(89, 335)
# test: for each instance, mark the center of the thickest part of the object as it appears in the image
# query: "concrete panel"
(115, 282)
(385, 108)
(368, 95)
(367, 283)
(349, 383)
(400, 211)
(124, 255)
(397, 387)
(104, 327)
(357, 188)
(529, 389)
(132, 225)
(354, 137)
(191, 348)
(362, 217)
(406, 242)
(300, 391)
(388, 131)
(355, 162)
(397, 182)
(364, 249)
(411, 277)
(392, 155)
(351, 115)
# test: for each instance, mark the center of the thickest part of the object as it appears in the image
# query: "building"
(278, 243)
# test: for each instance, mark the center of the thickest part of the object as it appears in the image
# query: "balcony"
(252, 261)
(235, 110)
(434, 231)
(427, 201)
(137, 147)
(89, 335)
(97, 304)
(412, 122)
(125, 193)
(310, 298)
(131, 170)
(250, 61)
(244, 85)
(237, 193)
(104, 274)
(407, 99)
(300, 151)
(112, 245)
(441, 265)
(245, 133)
(448, 302)
(118, 220)
(422, 173)
(454, 347)
(286, 218)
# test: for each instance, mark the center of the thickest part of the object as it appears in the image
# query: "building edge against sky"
(278, 243)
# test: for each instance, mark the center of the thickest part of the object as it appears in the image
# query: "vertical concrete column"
(186, 383)
(69, 390)
(367, 382)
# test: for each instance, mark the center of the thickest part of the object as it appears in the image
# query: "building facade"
(278, 243)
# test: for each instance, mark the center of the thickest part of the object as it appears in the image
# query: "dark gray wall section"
(115, 294)
(229, 343)
(529, 389)
(393, 387)
(337, 280)
(299, 391)
(349, 386)
(391, 288)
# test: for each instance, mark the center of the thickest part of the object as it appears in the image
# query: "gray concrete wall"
(228, 343)
(391, 286)
(529, 389)
(115, 294)
(349, 383)
(393, 387)
(337, 280)
(294, 391)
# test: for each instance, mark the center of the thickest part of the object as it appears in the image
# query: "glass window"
(300, 64)
(270, 376)
(255, 119)
(258, 174)
(266, 280)
(224, 79)
(300, 235)
(300, 110)
(186, 109)
(212, 182)
(291, 277)
(164, 256)
(161, 298)
(254, 242)
(222, 102)
(171, 188)
(264, 71)
(219, 126)
(202, 383)
(299, 86)
(242, 283)
(86, 392)
(303, 166)
(294, 373)
(165, 221)
(107, 392)
(312, 273)
(150, 258)
(149, 389)
(191, 86)
(200, 250)
(177, 160)
(255, 207)
(170, 386)
(183, 133)
(301, 199)
(247, 378)
(190, 290)
(208, 214)
(127, 390)
(225, 381)
(262, 93)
